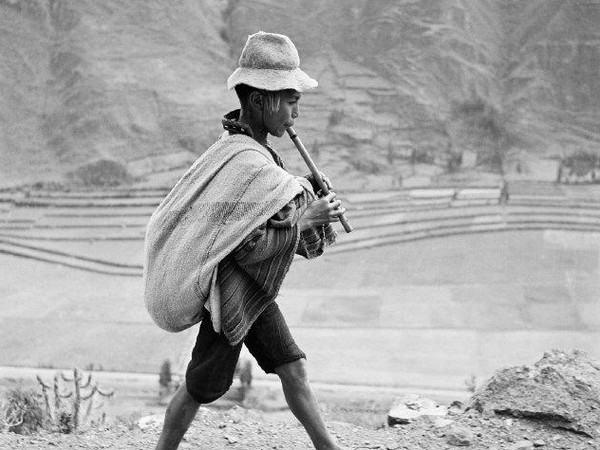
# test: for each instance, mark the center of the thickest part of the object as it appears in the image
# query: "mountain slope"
(83, 80)
(401, 82)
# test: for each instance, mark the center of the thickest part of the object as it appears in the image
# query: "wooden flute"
(315, 173)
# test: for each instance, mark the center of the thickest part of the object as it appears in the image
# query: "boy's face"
(276, 123)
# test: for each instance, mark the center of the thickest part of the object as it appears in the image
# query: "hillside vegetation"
(401, 82)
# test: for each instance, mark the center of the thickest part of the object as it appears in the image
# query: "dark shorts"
(210, 372)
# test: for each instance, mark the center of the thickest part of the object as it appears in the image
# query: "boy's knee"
(182, 399)
(293, 372)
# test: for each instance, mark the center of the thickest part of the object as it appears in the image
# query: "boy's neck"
(256, 124)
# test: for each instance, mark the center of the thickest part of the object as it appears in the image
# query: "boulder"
(562, 389)
(459, 436)
(409, 407)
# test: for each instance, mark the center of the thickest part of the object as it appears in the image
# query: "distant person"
(220, 244)
(503, 199)
(559, 173)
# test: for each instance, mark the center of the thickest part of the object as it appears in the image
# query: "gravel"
(239, 428)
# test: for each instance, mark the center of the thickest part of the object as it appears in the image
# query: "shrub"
(422, 156)
(65, 423)
(165, 378)
(581, 162)
(101, 173)
(22, 411)
(188, 143)
(471, 383)
(335, 117)
(365, 163)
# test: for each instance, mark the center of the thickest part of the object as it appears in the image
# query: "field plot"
(428, 291)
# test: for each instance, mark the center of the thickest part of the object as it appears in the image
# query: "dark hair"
(243, 92)
(273, 98)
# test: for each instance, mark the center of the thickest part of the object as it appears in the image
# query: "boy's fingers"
(339, 212)
(327, 181)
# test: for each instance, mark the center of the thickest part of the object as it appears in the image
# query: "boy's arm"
(265, 241)
(313, 241)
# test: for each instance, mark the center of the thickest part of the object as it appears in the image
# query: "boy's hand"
(315, 185)
(321, 212)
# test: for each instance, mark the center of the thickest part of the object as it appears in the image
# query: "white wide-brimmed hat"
(270, 61)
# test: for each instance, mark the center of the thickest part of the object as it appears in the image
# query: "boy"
(220, 244)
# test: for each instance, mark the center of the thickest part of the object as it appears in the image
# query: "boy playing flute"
(220, 244)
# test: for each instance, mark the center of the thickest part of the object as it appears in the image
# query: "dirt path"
(247, 429)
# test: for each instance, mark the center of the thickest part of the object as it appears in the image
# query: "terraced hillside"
(104, 232)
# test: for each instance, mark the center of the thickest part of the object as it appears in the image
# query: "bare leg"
(181, 411)
(303, 404)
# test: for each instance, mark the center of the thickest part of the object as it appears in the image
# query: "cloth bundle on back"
(229, 192)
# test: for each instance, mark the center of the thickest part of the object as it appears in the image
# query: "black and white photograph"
(300, 224)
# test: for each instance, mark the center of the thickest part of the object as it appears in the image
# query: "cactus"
(83, 391)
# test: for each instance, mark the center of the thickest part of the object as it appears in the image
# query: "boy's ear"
(256, 101)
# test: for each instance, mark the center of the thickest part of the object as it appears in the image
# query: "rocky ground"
(551, 404)
(239, 428)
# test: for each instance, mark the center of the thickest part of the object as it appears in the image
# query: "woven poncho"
(231, 190)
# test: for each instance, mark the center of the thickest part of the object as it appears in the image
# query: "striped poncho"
(224, 238)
